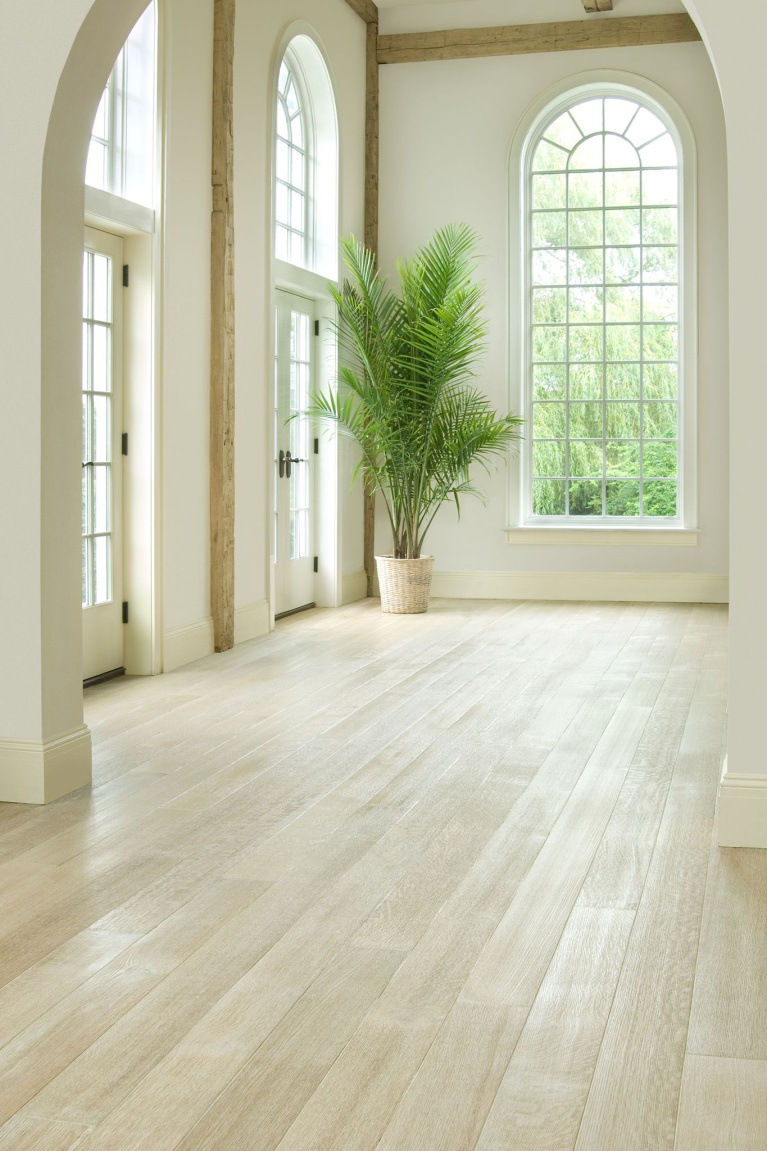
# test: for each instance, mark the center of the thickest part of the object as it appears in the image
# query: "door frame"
(327, 543)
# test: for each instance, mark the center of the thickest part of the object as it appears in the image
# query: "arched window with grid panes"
(604, 178)
(292, 169)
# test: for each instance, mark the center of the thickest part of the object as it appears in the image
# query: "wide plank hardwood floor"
(430, 883)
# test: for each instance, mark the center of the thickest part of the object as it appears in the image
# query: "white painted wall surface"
(446, 133)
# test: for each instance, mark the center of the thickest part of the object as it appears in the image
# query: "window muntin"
(121, 155)
(97, 395)
(604, 306)
(292, 174)
(300, 374)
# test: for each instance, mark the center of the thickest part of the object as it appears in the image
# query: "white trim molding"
(193, 641)
(646, 587)
(742, 810)
(39, 771)
(251, 621)
(354, 587)
(604, 537)
(183, 645)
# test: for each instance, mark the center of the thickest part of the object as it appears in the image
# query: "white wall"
(446, 132)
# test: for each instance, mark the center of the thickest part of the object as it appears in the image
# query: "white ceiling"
(430, 15)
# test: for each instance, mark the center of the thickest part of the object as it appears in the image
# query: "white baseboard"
(650, 587)
(34, 771)
(194, 641)
(354, 587)
(185, 644)
(742, 810)
(251, 621)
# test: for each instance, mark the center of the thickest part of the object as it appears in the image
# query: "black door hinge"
(126, 275)
(125, 611)
(316, 563)
(316, 327)
(316, 446)
(125, 443)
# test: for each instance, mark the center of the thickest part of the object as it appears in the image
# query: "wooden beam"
(366, 9)
(222, 333)
(598, 5)
(519, 39)
(372, 120)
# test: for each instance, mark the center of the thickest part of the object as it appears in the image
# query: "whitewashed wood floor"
(416, 884)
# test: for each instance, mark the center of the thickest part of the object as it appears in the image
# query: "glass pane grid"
(97, 429)
(291, 180)
(300, 369)
(605, 315)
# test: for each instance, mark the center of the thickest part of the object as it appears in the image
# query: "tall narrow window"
(121, 157)
(603, 299)
(305, 162)
(292, 167)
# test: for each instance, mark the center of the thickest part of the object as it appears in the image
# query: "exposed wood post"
(371, 242)
(368, 11)
(222, 332)
(520, 39)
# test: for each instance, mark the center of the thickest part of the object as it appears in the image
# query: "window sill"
(604, 537)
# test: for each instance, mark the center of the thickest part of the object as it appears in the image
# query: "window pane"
(622, 189)
(586, 381)
(622, 381)
(622, 421)
(549, 306)
(586, 227)
(549, 191)
(549, 420)
(623, 305)
(622, 459)
(585, 190)
(586, 305)
(622, 497)
(550, 267)
(585, 498)
(549, 381)
(549, 344)
(585, 458)
(549, 498)
(101, 573)
(549, 458)
(660, 187)
(660, 460)
(659, 498)
(549, 229)
(605, 308)
(586, 420)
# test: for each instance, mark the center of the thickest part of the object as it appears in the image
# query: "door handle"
(286, 463)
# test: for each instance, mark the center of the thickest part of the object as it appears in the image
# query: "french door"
(102, 454)
(293, 454)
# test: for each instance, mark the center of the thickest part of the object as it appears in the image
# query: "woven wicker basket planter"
(405, 584)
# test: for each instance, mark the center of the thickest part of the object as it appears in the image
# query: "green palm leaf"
(406, 393)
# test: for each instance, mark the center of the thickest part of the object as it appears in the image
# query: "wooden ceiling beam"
(598, 5)
(366, 9)
(519, 39)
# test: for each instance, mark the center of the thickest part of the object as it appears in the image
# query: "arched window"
(306, 161)
(292, 170)
(121, 157)
(603, 186)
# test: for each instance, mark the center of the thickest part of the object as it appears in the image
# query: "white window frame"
(291, 61)
(601, 529)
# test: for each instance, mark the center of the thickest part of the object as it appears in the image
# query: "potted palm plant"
(407, 395)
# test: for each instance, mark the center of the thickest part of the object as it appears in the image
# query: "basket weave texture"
(405, 584)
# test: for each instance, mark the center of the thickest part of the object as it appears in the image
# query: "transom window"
(291, 190)
(604, 305)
